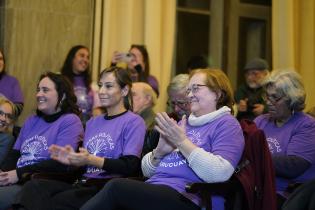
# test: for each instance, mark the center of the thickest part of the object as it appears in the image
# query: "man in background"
(249, 96)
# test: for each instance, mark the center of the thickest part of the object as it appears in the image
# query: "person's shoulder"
(303, 119)
(10, 78)
(132, 116)
(228, 120)
(261, 118)
(70, 117)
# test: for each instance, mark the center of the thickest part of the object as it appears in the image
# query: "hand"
(163, 148)
(117, 56)
(169, 129)
(68, 156)
(79, 159)
(8, 178)
(242, 105)
(61, 154)
(258, 109)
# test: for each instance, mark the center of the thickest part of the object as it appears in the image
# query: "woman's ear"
(125, 91)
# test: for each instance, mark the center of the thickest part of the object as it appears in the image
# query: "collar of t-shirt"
(2, 73)
(49, 118)
(106, 117)
(201, 120)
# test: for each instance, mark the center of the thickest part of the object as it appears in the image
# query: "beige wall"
(38, 35)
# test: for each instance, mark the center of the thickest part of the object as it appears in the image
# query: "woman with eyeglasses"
(206, 147)
(111, 148)
(7, 113)
(139, 65)
(10, 87)
(290, 132)
(56, 122)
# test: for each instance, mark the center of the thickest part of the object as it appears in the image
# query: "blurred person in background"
(10, 87)
(249, 96)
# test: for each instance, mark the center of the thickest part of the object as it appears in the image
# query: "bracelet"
(154, 157)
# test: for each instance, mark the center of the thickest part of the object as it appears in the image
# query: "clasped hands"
(172, 135)
(68, 156)
(8, 177)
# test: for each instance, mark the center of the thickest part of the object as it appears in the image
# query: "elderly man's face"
(179, 103)
(140, 100)
(254, 77)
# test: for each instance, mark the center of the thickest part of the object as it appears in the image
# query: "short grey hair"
(289, 84)
(178, 83)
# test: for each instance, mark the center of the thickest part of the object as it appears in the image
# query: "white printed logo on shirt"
(100, 145)
(32, 150)
(274, 145)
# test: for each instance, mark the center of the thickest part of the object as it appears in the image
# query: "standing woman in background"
(76, 69)
(7, 117)
(56, 122)
(138, 64)
(10, 87)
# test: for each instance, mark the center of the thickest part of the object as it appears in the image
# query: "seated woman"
(290, 132)
(112, 147)
(206, 148)
(7, 115)
(10, 87)
(56, 122)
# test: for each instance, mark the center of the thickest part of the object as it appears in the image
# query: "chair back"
(257, 176)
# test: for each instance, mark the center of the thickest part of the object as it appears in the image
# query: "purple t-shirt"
(37, 135)
(85, 97)
(223, 137)
(295, 137)
(10, 88)
(113, 138)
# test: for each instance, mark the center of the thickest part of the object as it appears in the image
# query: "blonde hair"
(4, 100)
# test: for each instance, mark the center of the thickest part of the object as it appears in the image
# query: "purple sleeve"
(18, 95)
(71, 131)
(302, 143)
(134, 137)
(228, 141)
(25, 127)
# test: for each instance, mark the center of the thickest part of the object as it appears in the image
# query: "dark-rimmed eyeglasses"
(180, 103)
(272, 98)
(194, 88)
(6, 115)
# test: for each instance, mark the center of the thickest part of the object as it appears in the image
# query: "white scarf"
(197, 121)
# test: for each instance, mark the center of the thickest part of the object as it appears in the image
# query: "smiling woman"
(76, 68)
(6, 121)
(204, 148)
(111, 147)
(56, 122)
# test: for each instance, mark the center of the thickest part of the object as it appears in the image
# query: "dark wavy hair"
(123, 79)
(63, 88)
(146, 58)
(67, 68)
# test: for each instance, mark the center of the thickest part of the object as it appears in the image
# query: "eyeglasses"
(6, 115)
(194, 88)
(272, 98)
(180, 103)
